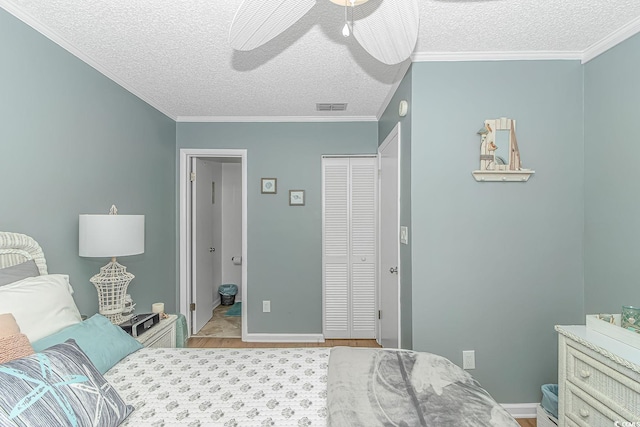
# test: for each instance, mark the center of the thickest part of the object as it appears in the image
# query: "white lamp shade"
(111, 235)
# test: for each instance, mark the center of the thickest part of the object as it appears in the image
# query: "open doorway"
(213, 242)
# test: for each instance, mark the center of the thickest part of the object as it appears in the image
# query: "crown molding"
(495, 56)
(613, 39)
(72, 49)
(273, 119)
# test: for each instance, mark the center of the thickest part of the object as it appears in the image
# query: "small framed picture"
(269, 186)
(296, 197)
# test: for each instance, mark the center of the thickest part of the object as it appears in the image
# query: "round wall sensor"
(403, 108)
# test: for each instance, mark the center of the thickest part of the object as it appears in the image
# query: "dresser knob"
(584, 413)
(585, 374)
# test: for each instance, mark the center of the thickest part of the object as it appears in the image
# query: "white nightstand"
(161, 335)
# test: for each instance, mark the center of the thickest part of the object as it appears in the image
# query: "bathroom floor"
(221, 326)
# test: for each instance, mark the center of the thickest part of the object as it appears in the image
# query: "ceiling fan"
(386, 29)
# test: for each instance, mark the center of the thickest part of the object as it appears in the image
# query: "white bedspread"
(224, 387)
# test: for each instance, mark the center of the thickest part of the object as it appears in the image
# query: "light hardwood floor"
(221, 326)
(196, 342)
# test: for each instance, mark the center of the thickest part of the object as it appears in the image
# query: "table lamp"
(111, 236)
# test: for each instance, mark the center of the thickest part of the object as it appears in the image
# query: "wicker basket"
(544, 419)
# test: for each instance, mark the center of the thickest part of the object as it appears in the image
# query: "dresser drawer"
(569, 423)
(163, 340)
(605, 384)
(585, 411)
(161, 335)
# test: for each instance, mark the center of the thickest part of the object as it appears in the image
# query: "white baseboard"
(521, 410)
(315, 338)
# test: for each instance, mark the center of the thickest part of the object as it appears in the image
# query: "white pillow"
(42, 305)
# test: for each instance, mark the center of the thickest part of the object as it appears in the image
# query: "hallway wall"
(231, 197)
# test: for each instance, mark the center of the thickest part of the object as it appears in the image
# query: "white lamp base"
(111, 284)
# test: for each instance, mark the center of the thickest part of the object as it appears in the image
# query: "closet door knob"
(585, 374)
(212, 249)
(584, 413)
(393, 270)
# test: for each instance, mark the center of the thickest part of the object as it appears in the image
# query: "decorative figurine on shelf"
(500, 161)
(486, 154)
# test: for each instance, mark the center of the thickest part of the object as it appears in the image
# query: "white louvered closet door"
(349, 246)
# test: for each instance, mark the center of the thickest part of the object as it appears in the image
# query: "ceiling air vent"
(336, 106)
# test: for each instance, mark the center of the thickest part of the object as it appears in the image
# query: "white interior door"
(349, 249)
(389, 303)
(363, 236)
(335, 247)
(203, 245)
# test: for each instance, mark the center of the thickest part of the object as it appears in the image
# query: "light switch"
(404, 235)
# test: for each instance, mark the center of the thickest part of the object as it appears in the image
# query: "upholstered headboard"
(16, 248)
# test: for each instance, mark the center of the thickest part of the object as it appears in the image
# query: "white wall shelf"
(522, 175)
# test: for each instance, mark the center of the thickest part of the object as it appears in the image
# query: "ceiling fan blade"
(390, 32)
(258, 21)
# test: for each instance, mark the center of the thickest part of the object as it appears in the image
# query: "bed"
(68, 377)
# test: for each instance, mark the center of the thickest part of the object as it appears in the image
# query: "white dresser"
(161, 335)
(598, 378)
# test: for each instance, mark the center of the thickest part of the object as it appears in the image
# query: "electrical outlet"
(266, 306)
(469, 359)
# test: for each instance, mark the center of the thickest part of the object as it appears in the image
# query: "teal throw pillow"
(103, 342)
(58, 387)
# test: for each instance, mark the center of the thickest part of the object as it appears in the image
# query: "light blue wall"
(612, 206)
(284, 242)
(491, 267)
(497, 265)
(71, 142)
(388, 120)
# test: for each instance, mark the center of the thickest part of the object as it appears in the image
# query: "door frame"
(396, 131)
(186, 255)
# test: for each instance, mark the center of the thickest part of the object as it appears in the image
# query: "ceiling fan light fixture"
(345, 30)
(355, 3)
(388, 32)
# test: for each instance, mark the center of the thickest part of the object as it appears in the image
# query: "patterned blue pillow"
(58, 387)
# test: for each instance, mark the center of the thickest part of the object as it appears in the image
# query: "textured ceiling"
(176, 56)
